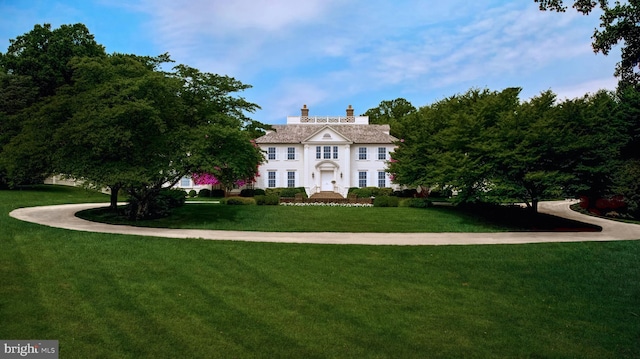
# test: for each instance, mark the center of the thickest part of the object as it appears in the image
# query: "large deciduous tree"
(140, 129)
(489, 146)
(118, 120)
(524, 150)
(445, 144)
(124, 127)
(391, 113)
(627, 178)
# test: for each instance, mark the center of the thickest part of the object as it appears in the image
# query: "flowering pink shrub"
(241, 183)
(204, 179)
(210, 179)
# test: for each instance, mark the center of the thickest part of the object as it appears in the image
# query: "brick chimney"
(350, 118)
(304, 111)
(350, 111)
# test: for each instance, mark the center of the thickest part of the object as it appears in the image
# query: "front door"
(327, 177)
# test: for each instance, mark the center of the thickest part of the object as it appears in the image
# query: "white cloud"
(587, 87)
(326, 51)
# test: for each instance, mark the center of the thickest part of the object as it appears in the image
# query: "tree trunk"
(114, 197)
(140, 206)
(142, 209)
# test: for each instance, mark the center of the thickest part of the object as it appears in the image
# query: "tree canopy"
(43, 54)
(488, 146)
(391, 112)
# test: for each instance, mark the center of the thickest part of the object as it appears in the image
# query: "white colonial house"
(326, 154)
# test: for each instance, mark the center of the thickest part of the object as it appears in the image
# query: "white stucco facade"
(326, 154)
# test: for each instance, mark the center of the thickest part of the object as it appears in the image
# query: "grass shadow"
(522, 219)
(192, 214)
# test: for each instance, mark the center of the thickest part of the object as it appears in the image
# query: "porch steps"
(326, 195)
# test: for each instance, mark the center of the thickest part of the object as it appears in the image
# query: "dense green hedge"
(250, 192)
(270, 200)
(405, 193)
(238, 201)
(286, 191)
(415, 202)
(386, 201)
(366, 192)
(205, 192)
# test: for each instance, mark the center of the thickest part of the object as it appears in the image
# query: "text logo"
(32, 349)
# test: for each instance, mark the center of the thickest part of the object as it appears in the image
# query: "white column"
(305, 168)
(346, 169)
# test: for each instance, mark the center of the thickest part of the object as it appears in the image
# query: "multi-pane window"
(271, 151)
(291, 179)
(271, 179)
(362, 179)
(291, 153)
(362, 153)
(382, 153)
(185, 182)
(382, 179)
(327, 153)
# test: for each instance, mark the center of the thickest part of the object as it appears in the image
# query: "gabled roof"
(301, 133)
(328, 134)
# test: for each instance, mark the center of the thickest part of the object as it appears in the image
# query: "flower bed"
(326, 204)
(327, 200)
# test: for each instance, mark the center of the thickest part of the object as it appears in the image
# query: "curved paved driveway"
(63, 216)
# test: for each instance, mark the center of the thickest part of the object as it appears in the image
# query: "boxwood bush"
(173, 197)
(286, 192)
(416, 203)
(251, 192)
(270, 200)
(405, 193)
(193, 193)
(205, 192)
(238, 201)
(366, 192)
(386, 201)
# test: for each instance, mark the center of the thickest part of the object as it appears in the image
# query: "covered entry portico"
(327, 175)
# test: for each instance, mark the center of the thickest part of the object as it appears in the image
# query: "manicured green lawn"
(114, 296)
(339, 219)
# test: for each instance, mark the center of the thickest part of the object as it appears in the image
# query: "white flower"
(330, 204)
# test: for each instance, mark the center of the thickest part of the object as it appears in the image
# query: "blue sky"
(329, 54)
